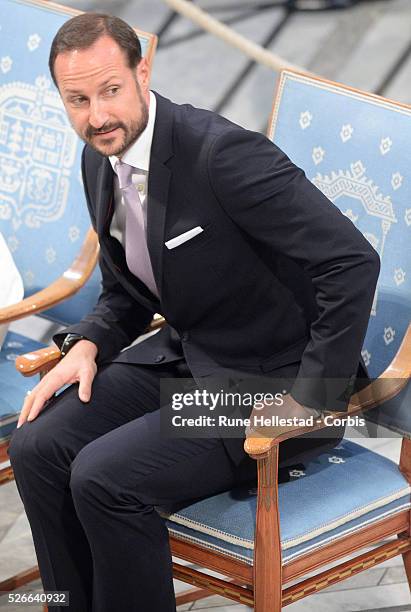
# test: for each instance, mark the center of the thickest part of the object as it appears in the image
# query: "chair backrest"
(354, 147)
(43, 215)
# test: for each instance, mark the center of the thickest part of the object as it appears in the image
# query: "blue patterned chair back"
(43, 214)
(354, 147)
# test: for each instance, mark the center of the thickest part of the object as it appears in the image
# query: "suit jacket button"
(185, 336)
(159, 358)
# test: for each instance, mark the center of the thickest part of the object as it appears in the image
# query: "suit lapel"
(159, 179)
(158, 185)
(104, 192)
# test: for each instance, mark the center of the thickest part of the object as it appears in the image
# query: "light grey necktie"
(137, 255)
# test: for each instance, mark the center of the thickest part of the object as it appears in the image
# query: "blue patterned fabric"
(338, 492)
(394, 414)
(353, 147)
(41, 195)
(12, 384)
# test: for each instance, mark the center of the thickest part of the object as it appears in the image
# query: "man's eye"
(78, 101)
(112, 91)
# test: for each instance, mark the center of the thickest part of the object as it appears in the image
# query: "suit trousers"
(91, 475)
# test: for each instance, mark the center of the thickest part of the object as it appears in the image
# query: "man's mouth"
(106, 132)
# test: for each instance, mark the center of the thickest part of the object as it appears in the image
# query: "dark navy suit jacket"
(277, 277)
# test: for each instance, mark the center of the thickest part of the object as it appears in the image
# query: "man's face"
(106, 100)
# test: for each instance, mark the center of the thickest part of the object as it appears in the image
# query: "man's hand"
(289, 409)
(79, 365)
(293, 409)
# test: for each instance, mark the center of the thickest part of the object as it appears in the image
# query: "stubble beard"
(131, 132)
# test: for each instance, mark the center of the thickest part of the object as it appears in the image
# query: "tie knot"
(124, 172)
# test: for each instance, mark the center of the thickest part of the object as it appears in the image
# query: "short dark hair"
(82, 31)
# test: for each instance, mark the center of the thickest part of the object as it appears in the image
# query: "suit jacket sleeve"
(117, 319)
(270, 198)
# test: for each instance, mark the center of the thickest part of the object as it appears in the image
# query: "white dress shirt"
(137, 156)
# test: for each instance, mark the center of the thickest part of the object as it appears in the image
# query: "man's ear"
(143, 75)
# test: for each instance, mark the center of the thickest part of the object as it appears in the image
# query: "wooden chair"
(350, 498)
(352, 145)
(43, 213)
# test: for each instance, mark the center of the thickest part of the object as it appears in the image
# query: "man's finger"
(86, 380)
(46, 391)
(27, 404)
(38, 405)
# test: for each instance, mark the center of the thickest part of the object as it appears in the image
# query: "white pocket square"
(175, 242)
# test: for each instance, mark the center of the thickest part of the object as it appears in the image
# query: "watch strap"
(68, 343)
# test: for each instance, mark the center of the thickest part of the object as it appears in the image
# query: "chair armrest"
(64, 287)
(39, 361)
(259, 441)
(43, 360)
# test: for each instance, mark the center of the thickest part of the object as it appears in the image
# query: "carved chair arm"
(64, 287)
(259, 441)
(43, 360)
(38, 362)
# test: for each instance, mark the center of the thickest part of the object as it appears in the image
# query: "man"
(256, 273)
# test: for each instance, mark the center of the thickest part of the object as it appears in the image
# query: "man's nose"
(98, 115)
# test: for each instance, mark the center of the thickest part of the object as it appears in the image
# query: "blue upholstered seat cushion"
(13, 386)
(339, 492)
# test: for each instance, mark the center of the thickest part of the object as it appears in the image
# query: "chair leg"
(200, 593)
(267, 558)
(18, 580)
(3, 451)
(192, 595)
(407, 564)
(405, 468)
(406, 557)
(6, 473)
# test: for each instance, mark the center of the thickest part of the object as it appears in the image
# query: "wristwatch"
(68, 343)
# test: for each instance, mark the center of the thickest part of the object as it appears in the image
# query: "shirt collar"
(138, 155)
